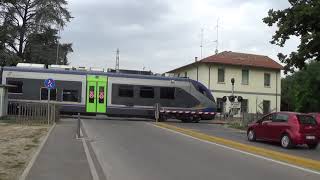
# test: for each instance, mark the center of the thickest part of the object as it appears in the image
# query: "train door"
(96, 94)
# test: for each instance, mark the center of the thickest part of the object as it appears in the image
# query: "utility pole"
(201, 43)
(117, 60)
(217, 41)
(58, 44)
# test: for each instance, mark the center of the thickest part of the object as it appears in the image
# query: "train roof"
(82, 72)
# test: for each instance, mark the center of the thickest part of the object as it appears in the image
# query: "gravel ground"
(17, 145)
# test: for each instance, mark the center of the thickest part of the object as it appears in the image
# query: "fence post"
(157, 111)
(78, 127)
(54, 112)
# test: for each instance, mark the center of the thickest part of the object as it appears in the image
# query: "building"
(257, 79)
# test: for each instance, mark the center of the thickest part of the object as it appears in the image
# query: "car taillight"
(296, 123)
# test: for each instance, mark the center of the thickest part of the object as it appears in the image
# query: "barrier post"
(78, 126)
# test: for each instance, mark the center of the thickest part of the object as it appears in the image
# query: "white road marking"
(93, 169)
(240, 151)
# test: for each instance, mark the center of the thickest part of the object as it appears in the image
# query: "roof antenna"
(201, 43)
(117, 60)
(217, 41)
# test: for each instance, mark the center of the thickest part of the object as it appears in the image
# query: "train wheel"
(162, 118)
(195, 119)
(186, 120)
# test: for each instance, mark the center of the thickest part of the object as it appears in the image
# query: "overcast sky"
(164, 34)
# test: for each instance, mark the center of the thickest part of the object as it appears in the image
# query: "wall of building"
(256, 79)
(254, 91)
(254, 101)
(3, 101)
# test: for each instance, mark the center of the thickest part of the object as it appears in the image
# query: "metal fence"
(247, 118)
(31, 113)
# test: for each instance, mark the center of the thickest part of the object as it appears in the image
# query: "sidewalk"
(62, 157)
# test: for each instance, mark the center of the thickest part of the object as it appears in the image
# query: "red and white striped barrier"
(187, 112)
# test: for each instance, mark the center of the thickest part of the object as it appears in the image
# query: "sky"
(160, 35)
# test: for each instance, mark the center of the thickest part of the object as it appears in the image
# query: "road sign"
(50, 83)
(235, 105)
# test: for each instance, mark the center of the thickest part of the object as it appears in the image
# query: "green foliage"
(29, 24)
(301, 19)
(300, 91)
(42, 48)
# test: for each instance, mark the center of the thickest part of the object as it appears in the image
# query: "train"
(93, 91)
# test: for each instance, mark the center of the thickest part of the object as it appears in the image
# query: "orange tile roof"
(239, 59)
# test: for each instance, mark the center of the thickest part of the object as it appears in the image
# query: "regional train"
(111, 93)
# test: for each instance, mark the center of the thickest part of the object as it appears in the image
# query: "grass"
(237, 125)
(17, 144)
(17, 165)
(8, 154)
(14, 120)
(35, 140)
(29, 146)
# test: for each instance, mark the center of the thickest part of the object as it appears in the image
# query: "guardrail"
(31, 113)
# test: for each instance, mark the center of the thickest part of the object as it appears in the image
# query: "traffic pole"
(48, 111)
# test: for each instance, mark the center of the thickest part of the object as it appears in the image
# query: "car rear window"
(308, 120)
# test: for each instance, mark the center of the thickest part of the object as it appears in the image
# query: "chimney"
(195, 59)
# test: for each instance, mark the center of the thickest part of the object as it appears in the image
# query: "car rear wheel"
(286, 141)
(251, 135)
(313, 145)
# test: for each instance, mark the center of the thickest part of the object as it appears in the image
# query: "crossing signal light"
(224, 98)
(231, 98)
(239, 98)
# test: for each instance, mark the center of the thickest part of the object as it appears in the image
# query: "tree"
(300, 19)
(300, 91)
(20, 20)
(42, 48)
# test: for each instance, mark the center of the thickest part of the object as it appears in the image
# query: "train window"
(125, 91)
(18, 86)
(91, 94)
(203, 90)
(70, 95)
(147, 92)
(101, 94)
(167, 93)
(44, 94)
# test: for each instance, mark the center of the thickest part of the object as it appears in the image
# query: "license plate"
(310, 137)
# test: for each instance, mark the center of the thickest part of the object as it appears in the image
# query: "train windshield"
(202, 89)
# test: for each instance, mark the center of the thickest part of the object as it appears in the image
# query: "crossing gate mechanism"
(96, 94)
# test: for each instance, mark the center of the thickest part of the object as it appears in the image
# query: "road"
(238, 136)
(137, 150)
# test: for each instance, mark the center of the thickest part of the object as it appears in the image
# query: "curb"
(36, 154)
(278, 156)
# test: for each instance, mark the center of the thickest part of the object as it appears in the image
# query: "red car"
(317, 117)
(288, 128)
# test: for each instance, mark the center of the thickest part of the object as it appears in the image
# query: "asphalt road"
(236, 135)
(137, 150)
